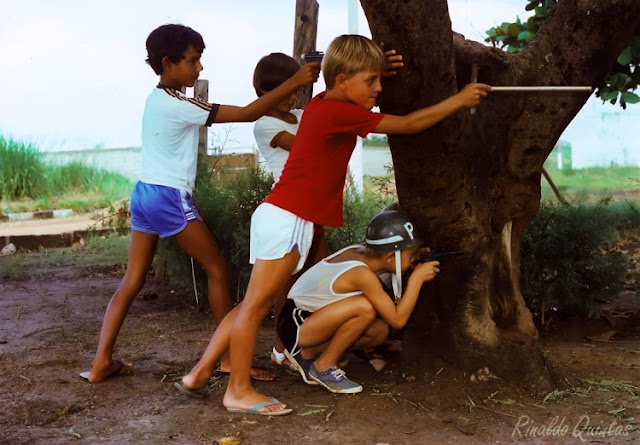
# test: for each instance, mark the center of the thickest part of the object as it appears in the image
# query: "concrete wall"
(125, 161)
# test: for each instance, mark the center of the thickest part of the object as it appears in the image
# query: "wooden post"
(304, 40)
(555, 189)
(201, 91)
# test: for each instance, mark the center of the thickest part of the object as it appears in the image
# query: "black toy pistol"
(426, 257)
(313, 56)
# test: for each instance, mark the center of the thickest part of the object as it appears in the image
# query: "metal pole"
(356, 162)
(540, 89)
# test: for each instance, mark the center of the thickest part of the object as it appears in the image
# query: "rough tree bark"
(473, 181)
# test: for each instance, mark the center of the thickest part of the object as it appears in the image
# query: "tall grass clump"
(21, 170)
(568, 259)
(28, 183)
(79, 177)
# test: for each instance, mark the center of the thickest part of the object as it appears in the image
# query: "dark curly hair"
(273, 70)
(171, 41)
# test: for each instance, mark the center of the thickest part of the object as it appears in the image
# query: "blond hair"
(349, 54)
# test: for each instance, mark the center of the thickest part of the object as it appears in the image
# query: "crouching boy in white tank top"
(340, 304)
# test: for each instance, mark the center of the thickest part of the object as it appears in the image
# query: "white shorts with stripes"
(275, 232)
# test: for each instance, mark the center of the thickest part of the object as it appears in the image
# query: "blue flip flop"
(198, 393)
(255, 409)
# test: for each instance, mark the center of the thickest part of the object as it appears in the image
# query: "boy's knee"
(258, 307)
(134, 282)
(366, 310)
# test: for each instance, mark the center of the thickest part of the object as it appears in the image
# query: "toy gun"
(313, 56)
(426, 257)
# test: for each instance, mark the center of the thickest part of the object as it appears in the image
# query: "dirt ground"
(50, 318)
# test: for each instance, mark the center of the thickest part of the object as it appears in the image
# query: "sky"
(75, 76)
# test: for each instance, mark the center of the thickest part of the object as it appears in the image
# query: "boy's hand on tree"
(472, 94)
(394, 62)
(307, 74)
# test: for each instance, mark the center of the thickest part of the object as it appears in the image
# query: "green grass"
(109, 250)
(21, 170)
(593, 184)
(29, 184)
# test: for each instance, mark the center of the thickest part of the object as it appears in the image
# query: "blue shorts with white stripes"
(161, 210)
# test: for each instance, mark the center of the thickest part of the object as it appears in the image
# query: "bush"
(567, 259)
(358, 209)
(227, 200)
(227, 204)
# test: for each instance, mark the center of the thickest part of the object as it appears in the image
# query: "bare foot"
(194, 382)
(261, 375)
(250, 400)
(114, 369)
(258, 374)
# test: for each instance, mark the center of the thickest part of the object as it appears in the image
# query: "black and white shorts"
(289, 322)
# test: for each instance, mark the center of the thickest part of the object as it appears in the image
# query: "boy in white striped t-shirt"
(161, 203)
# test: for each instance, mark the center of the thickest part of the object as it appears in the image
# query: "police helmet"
(391, 231)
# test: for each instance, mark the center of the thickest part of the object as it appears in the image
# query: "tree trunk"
(472, 182)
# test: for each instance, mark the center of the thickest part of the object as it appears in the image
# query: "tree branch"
(470, 51)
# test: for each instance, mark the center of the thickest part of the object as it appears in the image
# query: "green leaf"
(619, 81)
(527, 36)
(609, 95)
(625, 56)
(531, 6)
(629, 97)
(542, 12)
(513, 30)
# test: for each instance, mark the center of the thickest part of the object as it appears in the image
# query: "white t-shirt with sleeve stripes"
(170, 125)
(264, 130)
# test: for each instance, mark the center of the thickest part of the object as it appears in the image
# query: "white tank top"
(314, 289)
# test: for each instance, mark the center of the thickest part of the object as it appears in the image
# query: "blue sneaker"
(335, 380)
(301, 365)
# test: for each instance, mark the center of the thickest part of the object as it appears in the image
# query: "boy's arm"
(284, 140)
(306, 75)
(420, 120)
(395, 315)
